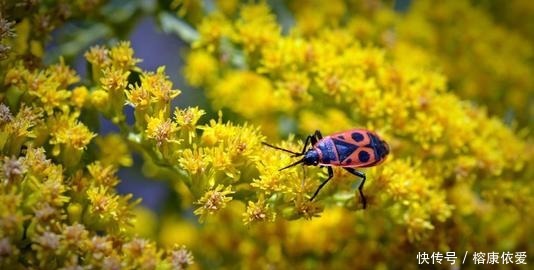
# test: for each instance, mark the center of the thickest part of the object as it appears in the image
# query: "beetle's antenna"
(292, 164)
(295, 154)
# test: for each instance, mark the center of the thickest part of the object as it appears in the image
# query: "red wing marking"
(362, 157)
(357, 137)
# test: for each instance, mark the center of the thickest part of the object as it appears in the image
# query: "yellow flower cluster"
(50, 219)
(213, 200)
(25, 27)
(59, 204)
(51, 116)
(500, 77)
(433, 36)
(508, 15)
(226, 159)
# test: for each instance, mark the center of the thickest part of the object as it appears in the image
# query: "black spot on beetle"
(348, 161)
(357, 136)
(364, 156)
(341, 137)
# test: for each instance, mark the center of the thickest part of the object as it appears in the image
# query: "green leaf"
(174, 25)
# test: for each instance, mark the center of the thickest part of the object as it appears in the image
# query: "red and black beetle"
(356, 148)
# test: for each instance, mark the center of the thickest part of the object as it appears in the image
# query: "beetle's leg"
(360, 187)
(330, 175)
(313, 139)
(316, 137)
(308, 139)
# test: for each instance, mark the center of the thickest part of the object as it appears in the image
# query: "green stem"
(165, 169)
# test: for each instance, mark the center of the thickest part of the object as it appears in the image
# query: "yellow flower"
(52, 191)
(107, 210)
(310, 21)
(271, 182)
(217, 132)
(50, 96)
(213, 200)
(194, 160)
(286, 54)
(331, 120)
(221, 161)
(313, 239)
(232, 147)
(155, 90)
(296, 85)
(306, 208)
(114, 151)
(211, 30)
(144, 223)
(100, 99)
(201, 68)
(102, 203)
(244, 92)
(16, 75)
(13, 219)
(417, 222)
(271, 179)
(258, 212)
(103, 175)
(114, 80)
(159, 85)
(187, 120)
(98, 56)
(161, 130)
(138, 97)
(256, 27)
(79, 96)
(140, 253)
(67, 130)
(63, 74)
(175, 230)
(23, 123)
(121, 56)
(36, 160)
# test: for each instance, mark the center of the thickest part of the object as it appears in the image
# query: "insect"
(351, 149)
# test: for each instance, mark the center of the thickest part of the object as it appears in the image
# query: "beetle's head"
(311, 157)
